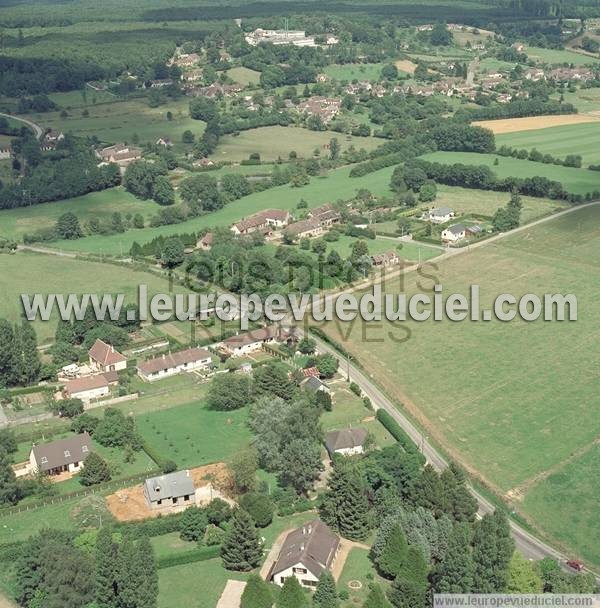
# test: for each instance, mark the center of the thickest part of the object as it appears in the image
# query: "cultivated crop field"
(534, 123)
(577, 181)
(33, 273)
(579, 139)
(514, 402)
(274, 142)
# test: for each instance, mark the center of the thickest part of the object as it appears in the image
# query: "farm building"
(60, 456)
(104, 358)
(385, 259)
(87, 388)
(173, 363)
(346, 442)
(270, 218)
(206, 242)
(170, 490)
(121, 154)
(306, 553)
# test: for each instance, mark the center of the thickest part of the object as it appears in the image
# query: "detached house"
(64, 455)
(87, 388)
(104, 358)
(170, 490)
(173, 363)
(388, 258)
(454, 233)
(250, 341)
(121, 154)
(441, 215)
(306, 553)
(346, 442)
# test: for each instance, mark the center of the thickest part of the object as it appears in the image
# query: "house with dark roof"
(104, 358)
(64, 455)
(170, 490)
(306, 553)
(173, 363)
(314, 384)
(87, 388)
(440, 215)
(455, 233)
(346, 442)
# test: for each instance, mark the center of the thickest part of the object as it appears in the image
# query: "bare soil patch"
(405, 65)
(531, 123)
(129, 504)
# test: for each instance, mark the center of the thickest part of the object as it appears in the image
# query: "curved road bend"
(36, 128)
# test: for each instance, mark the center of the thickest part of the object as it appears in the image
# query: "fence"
(97, 489)
(95, 404)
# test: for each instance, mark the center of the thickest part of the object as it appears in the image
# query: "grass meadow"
(558, 56)
(34, 273)
(579, 139)
(277, 142)
(244, 76)
(577, 181)
(354, 71)
(500, 397)
(585, 100)
(123, 120)
(336, 185)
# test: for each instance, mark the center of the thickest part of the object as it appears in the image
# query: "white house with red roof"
(104, 358)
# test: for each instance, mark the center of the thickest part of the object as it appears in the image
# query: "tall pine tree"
(291, 595)
(325, 594)
(8, 355)
(106, 569)
(241, 550)
(393, 557)
(256, 593)
(345, 506)
(28, 358)
(376, 598)
(454, 574)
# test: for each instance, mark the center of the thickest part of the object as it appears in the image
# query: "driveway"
(231, 596)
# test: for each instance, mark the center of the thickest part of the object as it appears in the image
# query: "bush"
(193, 524)
(213, 535)
(398, 433)
(200, 554)
(260, 508)
(355, 388)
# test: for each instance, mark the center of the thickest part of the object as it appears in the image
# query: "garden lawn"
(192, 435)
(277, 142)
(14, 223)
(577, 181)
(170, 544)
(510, 401)
(357, 567)
(336, 185)
(244, 76)
(199, 584)
(579, 139)
(30, 273)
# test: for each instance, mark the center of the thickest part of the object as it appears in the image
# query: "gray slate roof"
(172, 485)
(345, 439)
(312, 383)
(62, 452)
(314, 545)
(442, 211)
(456, 229)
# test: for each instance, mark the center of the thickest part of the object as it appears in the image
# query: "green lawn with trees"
(578, 181)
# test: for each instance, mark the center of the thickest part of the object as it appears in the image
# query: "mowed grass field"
(14, 223)
(274, 142)
(354, 71)
(30, 273)
(122, 120)
(192, 435)
(244, 76)
(336, 185)
(511, 401)
(552, 56)
(577, 181)
(559, 141)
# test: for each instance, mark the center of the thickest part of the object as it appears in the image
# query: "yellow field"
(406, 66)
(530, 123)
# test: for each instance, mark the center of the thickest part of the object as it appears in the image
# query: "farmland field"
(274, 142)
(559, 141)
(122, 120)
(585, 100)
(535, 123)
(354, 71)
(174, 433)
(577, 181)
(320, 190)
(32, 273)
(501, 401)
(552, 56)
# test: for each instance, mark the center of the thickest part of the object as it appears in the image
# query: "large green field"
(30, 273)
(577, 181)
(277, 142)
(336, 185)
(192, 435)
(123, 120)
(579, 139)
(354, 71)
(585, 100)
(558, 56)
(511, 401)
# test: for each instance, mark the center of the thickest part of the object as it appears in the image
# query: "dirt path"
(232, 594)
(340, 561)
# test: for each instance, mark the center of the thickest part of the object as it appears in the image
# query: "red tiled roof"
(105, 354)
(172, 360)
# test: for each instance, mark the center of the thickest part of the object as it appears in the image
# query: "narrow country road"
(36, 128)
(47, 251)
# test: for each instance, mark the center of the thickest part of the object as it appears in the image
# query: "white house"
(64, 455)
(455, 233)
(87, 388)
(173, 363)
(306, 553)
(104, 358)
(441, 215)
(250, 341)
(347, 442)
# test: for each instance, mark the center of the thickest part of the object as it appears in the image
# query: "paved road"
(36, 128)
(530, 546)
